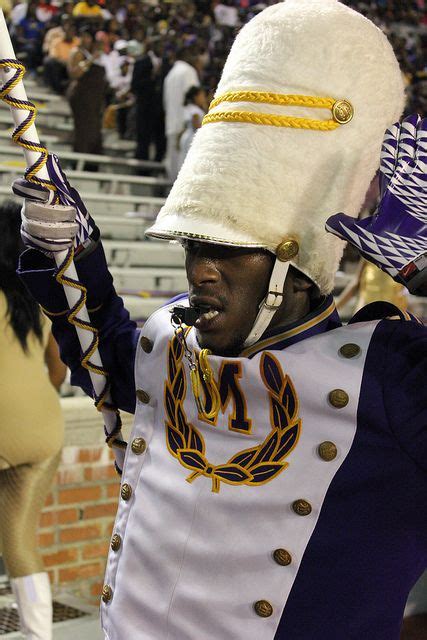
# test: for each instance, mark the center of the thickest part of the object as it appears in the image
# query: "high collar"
(323, 318)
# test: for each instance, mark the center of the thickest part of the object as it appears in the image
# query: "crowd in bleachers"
(114, 60)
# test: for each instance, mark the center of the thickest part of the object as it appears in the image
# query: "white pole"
(18, 92)
(72, 294)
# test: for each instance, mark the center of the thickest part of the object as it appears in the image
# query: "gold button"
(342, 111)
(138, 446)
(350, 350)
(287, 250)
(126, 491)
(116, 542)
(142, 396)
(301, 507)
(263, 608)
(327, 450)
(282, 557)
(146, 344)
(338, 398)
(107, 593)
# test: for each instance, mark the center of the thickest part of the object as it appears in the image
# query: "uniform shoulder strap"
(381, 311)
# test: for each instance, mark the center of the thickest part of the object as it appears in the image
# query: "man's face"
(86, 41)
(230, 282)
(69, 31)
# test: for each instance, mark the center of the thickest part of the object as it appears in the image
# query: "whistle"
(186, 315)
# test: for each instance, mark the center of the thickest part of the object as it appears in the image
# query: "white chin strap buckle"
(268, 307)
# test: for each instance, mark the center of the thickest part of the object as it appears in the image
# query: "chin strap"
(271, 302)
(285, 251)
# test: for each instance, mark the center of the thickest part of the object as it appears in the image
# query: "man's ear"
(301, 282)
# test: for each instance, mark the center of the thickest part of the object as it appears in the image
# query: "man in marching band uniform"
(275, 481)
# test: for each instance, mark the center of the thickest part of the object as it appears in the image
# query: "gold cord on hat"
(341, 110)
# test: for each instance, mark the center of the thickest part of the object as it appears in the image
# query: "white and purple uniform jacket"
(300, 513)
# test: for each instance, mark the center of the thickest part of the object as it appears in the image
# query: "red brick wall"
(77, 520)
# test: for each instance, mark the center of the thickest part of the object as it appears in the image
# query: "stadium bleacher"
(124, 205)
(10, 153)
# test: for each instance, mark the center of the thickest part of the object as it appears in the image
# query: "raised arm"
(55, 367)
(395, 237)
(116, 332)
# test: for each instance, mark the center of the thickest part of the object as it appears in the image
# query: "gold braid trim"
(341, 110)
(251, 467)
(54, 314)
(57, 314)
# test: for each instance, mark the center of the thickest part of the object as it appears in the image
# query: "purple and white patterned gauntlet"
(395, 237)
(49, 227)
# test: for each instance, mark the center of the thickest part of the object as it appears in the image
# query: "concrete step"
(85, 627)
(88, 628)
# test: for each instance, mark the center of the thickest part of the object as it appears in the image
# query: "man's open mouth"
(210, 309)
(208, 315)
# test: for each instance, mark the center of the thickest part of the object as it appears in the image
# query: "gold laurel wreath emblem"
(252, 467)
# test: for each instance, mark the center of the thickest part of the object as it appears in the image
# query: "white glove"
(48, 227)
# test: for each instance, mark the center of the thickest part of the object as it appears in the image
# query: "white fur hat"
(259, 185)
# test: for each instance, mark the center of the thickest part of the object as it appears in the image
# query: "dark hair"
(188, 53)
(191, 94)
(86, 30)
(23, 312)
(66, 18)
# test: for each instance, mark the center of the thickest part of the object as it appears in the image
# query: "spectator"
(113, 64)
(30, 36)
(67, 8)
(122, 95)
(59, 53)
(18, 12)
(86, 94)
(46, 10)
(180, 78)
(111, 35)
(55, 31)
(146, 87)
(194, 110)
(87, 9)
(32, 431)
(226, 14)
(6, 7)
